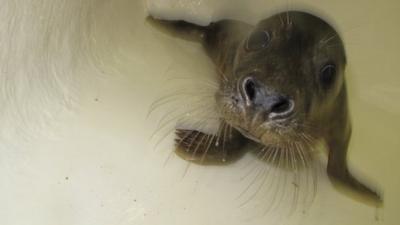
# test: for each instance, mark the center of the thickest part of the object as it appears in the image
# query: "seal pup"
(281, 84)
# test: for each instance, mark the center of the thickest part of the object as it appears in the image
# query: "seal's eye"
(257, 40)
(327, 74)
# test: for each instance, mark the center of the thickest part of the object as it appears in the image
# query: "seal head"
(286, 74)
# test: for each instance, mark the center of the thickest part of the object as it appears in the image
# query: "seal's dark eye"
(327, 74)
(257, 40)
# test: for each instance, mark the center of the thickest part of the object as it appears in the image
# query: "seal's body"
(281, 84)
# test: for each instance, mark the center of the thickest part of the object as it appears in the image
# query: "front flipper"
(179, 28)
(338, 171)
(337, 140)
(220, 39)
(201, 148)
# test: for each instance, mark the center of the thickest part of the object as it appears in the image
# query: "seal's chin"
(272, 135)
(249, 135)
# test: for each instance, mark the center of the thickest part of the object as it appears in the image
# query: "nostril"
(282, 106)
(250, 89)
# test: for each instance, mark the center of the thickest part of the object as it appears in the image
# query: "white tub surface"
(77, 80)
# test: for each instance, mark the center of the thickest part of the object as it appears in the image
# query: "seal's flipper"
(179, 28)
(217, 38)
(338, 171)
(337, 142)
(201, 148)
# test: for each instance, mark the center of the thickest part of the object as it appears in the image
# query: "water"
(95, 163)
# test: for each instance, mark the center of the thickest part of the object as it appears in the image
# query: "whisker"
(251, 163)
(282, 190)
(207, 148)
(224, 151)
(205, 83)
(168, 158)
(173, 110)
(251, 171)
(187, 150)
(272, 203)
(266, 172)
(296, 182)
(176, 117)
(220, 72)
(175, 97)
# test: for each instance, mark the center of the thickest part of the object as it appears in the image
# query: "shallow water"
(96, 163)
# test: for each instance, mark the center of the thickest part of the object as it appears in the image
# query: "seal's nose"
(276, 106)
(280, 107)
